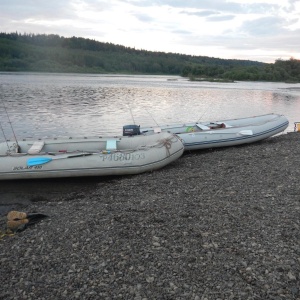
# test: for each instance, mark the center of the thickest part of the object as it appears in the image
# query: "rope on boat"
(167, 142)
(12, 154)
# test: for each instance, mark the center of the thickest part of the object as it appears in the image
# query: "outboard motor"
(130, 130)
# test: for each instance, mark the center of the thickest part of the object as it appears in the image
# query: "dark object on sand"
(18, 221)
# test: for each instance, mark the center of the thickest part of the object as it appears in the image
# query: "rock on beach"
(215, 224)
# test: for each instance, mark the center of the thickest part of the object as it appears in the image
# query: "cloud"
(19, 9)
(263, 26)
(143, 17)
(202, 13)
(220, 18)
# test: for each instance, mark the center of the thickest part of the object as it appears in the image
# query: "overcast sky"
(262, 30)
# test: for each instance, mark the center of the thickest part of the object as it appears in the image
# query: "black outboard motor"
(129, 130)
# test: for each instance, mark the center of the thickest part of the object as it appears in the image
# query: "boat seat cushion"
(36, 147)
(111, 144)
(202, 127)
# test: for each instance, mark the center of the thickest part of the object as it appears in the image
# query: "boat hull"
(236, 132)
(139, 154)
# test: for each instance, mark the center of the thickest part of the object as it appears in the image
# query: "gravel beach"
(215, 224)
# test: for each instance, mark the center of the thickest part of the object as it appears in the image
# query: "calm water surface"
(42, 105)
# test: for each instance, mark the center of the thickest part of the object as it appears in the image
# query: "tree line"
(54, 53)
(281, 70)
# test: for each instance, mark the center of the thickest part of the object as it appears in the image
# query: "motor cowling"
(130, 130)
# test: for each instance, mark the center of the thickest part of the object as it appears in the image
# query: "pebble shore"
(215, 224)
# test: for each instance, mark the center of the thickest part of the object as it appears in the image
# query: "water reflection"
(72, 104)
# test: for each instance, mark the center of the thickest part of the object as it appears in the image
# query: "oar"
(43, 160)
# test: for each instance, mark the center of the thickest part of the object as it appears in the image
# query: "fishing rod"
(203, 114)
(12, 129)
(131, 114)
(152, 117)
(4, 135)
(130, 111)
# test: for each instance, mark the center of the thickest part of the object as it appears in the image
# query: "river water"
(40, 105)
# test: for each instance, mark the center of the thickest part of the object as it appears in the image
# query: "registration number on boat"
(122, 156)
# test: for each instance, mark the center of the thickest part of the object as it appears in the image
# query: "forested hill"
(53, 53)
(58, 54)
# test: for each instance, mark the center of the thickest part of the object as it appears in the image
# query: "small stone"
(149, 279)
